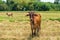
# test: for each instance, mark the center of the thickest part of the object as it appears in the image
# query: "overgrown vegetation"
(14, 5)
(58, 19)
(18, 28)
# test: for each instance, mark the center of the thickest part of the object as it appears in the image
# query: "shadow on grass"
(30, 37)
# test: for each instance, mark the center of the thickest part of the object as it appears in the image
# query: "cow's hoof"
(34, 34)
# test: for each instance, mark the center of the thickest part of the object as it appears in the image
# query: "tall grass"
(12, 30)
(58, 19)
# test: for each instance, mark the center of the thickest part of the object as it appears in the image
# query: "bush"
(3, 7)
(28, 6)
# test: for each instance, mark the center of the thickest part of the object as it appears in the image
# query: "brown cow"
(35, 21)
(9, 14)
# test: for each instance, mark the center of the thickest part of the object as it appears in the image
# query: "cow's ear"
(28, 12)
(27, 15)
(35, 14)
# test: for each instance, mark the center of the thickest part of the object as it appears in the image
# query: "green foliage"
(28, 5)
(3, 7)
(1, 2)
(55, 7)
(56, 1)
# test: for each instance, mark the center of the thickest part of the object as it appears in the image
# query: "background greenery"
(28, 5)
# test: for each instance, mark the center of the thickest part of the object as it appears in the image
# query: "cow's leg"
(34, 31)
(38, 29)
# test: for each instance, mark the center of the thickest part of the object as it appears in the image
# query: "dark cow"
(35, 21)
(9, 14)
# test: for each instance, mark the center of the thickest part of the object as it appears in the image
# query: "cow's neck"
(32, 21)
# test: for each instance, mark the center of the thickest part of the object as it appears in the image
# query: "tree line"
(28, 6)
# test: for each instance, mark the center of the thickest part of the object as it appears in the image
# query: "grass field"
(18, 26)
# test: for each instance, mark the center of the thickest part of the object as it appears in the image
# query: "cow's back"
(37, 20)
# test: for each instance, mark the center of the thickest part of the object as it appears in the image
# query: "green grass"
(1, 20)
(18, 26)
(11, 20)
(58, 19)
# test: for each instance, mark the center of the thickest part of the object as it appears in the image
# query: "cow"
(9, 14)
(35, 22)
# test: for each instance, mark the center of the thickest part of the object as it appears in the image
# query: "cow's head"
(31, 15)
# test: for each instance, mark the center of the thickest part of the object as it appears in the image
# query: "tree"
(1, 2)
(9, 2)
(57, 1)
